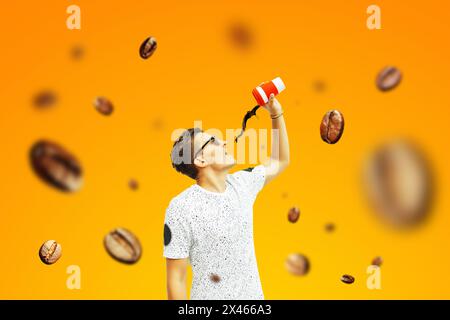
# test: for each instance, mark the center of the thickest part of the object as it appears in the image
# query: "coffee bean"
(297, 264)
(103, 105)
(377, 261)
(332, 126)
(240, 35)
(123, 246)
(50, 252)
(215, 278)
(158, 124)
(44, 99)
(133, 184)
(397, 180)
(77, 52)
(148, 48)
(348, 279)
(293, 214)
(56, 166)
(330, 227)
(167, 235)
(319, 86)
(388, 78)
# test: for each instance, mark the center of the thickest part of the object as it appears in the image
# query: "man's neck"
(213, 181)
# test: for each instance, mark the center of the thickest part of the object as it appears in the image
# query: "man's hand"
(273, 106)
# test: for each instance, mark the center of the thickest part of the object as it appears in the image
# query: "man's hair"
(182, 153)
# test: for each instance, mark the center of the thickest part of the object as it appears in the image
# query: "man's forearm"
(279, 157)
(280, 142)
(176, 290)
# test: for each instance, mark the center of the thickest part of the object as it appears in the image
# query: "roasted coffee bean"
(44, 99)
(103, 105)
(348, 279)
(133, 184)
(297, 264)
(158, 124)
(377, 261)
(388, 78)
(77, 52)
(398, 183)
(123, 246)
(319, 86)
(240, 35)
(50, 252)
(330, 227)
(215, 278)
(148, 48)
(167, 235)
(56, 166)
(332, 126)
(293, 214)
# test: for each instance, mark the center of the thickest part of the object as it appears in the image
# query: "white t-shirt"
(215, 230)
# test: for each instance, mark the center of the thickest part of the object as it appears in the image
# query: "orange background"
(197, 74)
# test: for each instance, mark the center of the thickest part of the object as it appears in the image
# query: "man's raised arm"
(279, 157)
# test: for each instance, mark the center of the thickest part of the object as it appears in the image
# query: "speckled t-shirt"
(215, 230)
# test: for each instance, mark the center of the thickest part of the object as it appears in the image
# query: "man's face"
(213, 154)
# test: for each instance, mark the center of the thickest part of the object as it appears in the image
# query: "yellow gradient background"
(197, 74)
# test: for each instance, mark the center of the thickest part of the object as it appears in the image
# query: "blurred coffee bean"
(215, 278)
(77, 52)
(44, 99)
(103, 105)
(50, 252)
(148, 48)
(330, 227)
(56, 166)
(158, 124)
(319, 86)
(388, 78)
(348, 279)
(397, 180)
(332, 126)
(123, 246)
(377, 261)
(240, 35)
(297, 264)
(133, 184)
(293, 214)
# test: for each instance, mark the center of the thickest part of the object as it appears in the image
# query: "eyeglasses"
(212, 140)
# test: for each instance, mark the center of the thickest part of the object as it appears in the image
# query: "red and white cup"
(264, 90)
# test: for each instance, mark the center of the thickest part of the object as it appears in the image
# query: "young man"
(210, 223)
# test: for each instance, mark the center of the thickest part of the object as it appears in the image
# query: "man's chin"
(230, 163)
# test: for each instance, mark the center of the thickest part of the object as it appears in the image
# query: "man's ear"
(199, 162)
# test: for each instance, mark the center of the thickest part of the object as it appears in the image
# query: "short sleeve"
(177, 234)
(252, 178)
